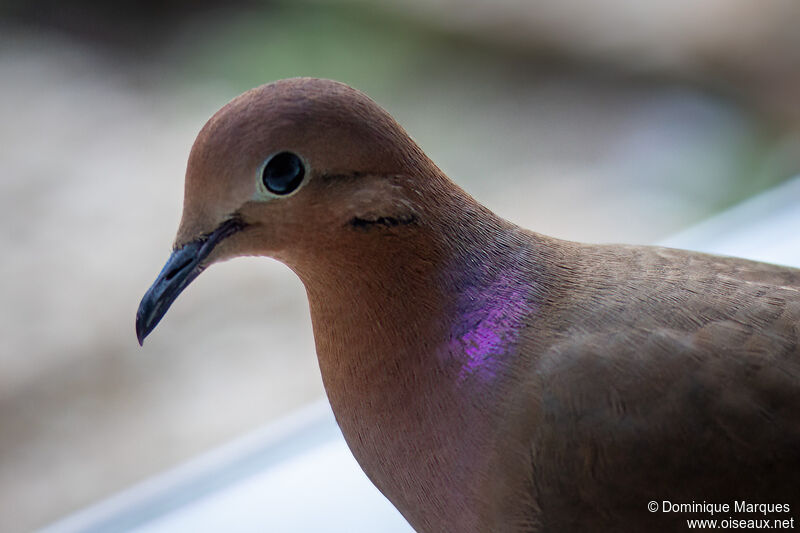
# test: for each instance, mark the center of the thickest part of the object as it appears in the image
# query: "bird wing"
(665, 375)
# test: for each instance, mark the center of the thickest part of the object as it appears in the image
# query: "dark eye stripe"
(283, 173)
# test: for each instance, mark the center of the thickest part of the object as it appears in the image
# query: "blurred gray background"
(601, 120)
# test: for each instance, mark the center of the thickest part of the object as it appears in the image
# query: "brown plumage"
(488, 378)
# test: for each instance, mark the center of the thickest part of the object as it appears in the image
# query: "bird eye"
(283, 173)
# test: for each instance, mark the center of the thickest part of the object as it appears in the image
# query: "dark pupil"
(283, 173)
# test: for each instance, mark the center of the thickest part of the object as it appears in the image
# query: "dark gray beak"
(182, 267)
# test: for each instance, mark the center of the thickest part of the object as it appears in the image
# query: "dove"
(488, 378)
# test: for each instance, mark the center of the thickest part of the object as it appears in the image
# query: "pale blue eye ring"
(283, 173)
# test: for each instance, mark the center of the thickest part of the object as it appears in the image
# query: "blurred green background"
(599, 120)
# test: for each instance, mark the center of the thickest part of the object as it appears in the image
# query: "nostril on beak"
(177, 268)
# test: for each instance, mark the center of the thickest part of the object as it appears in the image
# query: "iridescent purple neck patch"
(489, 322)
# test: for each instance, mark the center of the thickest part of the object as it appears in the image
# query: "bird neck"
(447, 303)
(415, 348)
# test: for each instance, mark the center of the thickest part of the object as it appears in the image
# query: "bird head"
(302, 170)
